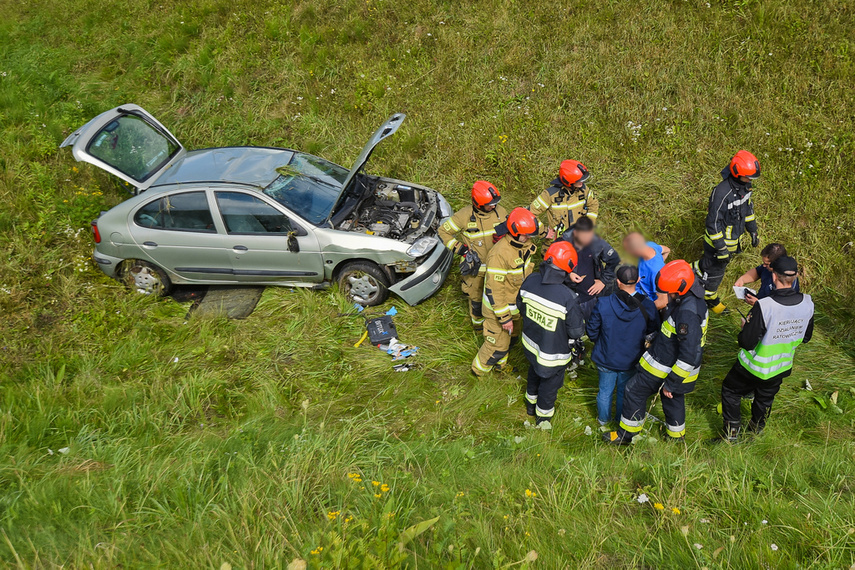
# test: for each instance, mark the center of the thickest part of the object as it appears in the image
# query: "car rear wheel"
(363, 283)
(146, 278)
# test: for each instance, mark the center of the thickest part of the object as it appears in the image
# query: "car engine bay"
(393, 210)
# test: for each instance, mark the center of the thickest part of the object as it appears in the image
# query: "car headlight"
(422, 246)
(445, 210)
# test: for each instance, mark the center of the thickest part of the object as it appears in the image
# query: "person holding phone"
(763, 274)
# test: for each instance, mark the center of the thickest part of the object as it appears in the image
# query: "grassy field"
(132, 436)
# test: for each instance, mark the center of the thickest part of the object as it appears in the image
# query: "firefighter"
(552, 330)
(509, 262)
(469, 233)
(566, 200)
(773, 329)
(671, 365)
(729, 215)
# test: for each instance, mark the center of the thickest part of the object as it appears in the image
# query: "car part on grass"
(381, 330)
(364, 283)
(146, 278)
(226, 301)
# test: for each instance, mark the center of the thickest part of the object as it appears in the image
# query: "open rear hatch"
(128, 143)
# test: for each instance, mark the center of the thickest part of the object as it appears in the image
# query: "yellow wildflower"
(530, 493)
(675, 510)
(377, 495)
(332, 515)
(384, 487)
(376, 483)
(658, 506)
(459, 494)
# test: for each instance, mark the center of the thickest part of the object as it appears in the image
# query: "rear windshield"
(133, 146)
(309, 186)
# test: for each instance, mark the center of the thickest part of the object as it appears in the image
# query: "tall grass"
(134, 436)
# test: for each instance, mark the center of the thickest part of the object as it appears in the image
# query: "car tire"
(364, 283)
(145, 277)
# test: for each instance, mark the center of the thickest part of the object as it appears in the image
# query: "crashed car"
(259, 216)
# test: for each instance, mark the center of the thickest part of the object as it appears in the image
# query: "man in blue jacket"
(551, 330)
(618, 326)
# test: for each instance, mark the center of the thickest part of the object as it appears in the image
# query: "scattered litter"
(808, 387)
(588, 430)
(519, 439)
(50, 451)
(403, 367)
(64, 450)
(175, 359)
(697, 546)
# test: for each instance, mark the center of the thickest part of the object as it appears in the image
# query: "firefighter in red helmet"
(671, 364)
(729, 215)
(509, 262)
(566, 199)
(469, 233)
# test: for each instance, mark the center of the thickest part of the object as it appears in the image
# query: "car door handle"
(149, 244)
(240, 248)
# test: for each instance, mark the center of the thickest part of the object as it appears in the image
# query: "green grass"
(242, 450)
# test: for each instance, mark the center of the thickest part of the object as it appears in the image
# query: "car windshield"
(133, 146)
(309, 186)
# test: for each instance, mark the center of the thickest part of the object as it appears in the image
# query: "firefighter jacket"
(472, 228)
(563, 206)
(606, 259)
(508, 264)
(773, 330)
(551, 317)
(730, 214)
(675, 354)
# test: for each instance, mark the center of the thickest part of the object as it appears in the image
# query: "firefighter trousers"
(711, 269)
(739, 383)
(497, 344)
(473, 287)
(638, 391)
(543, 390)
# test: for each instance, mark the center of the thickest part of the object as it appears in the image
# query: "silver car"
(259, 216)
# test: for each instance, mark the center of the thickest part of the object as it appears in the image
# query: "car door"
(176, 231)
(257, 239)
(126, 142)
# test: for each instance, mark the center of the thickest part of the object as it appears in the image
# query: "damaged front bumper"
(427, 279)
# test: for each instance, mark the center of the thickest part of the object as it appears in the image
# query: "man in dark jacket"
(618, 327)
(594, 275)
(729, 215)
(552, 329)
(672, 363)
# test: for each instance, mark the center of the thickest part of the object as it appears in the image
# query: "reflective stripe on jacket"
(785, 329)
(550, 318)
(563, 206)
(474, 229)
(508, 264)
(730, 214)
(676, 352)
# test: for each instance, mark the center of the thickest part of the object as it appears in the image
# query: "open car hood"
(386, 130)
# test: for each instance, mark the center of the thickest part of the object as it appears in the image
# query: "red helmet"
(572, 171)
(521, 222)
(744, 163)
(676, 277)
(563, 255)
(485, 194)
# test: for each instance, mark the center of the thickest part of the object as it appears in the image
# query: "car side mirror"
(293, 244)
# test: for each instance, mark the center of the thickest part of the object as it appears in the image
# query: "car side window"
(187, 211)
(245, 214)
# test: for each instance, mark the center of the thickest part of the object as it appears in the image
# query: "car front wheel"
(146, 278)
(363, 283)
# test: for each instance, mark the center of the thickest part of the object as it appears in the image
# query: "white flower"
(461, 124)
(764, 521)
(643, 498)
(705, 521)
(773, 546)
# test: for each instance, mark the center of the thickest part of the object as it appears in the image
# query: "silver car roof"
(253, 166)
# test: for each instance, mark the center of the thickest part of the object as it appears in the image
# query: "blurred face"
(744, 179)
(767, 263)
(522, 238)
(578, 184)
(488, 207)
(583, 238)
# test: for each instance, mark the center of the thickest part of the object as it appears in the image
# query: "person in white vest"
(773, 329)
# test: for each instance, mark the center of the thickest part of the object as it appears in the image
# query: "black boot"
(615, 438)
(530, 409)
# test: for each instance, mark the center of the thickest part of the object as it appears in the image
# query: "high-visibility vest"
(785, 330)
